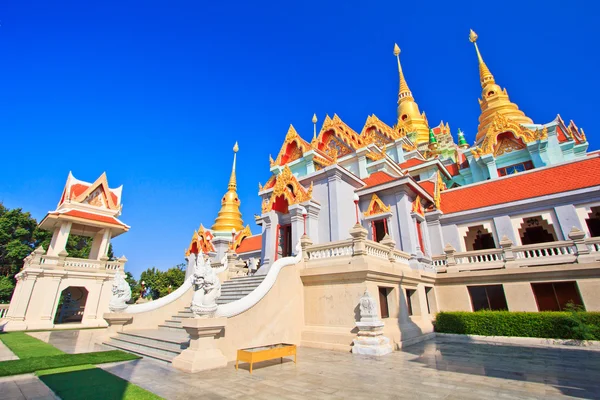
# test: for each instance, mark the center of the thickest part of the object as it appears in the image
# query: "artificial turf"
(27, 365)
(91, 383)
(25, 346)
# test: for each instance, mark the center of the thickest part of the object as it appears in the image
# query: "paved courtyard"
(436, 369)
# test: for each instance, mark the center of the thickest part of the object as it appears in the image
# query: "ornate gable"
(244, 233)
(376, 207)
(288, 187)
(292, 149)
(97, 194)
(417, 207)
(201, 242)
(501, 124)
(336, 139)
(377, 132)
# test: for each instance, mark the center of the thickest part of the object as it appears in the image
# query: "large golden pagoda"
(494, 100)
(230, 216)
(408, 110)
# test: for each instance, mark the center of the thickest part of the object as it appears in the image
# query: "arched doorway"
(479, 238)
(71, 305)
(593, 222)
(536, 230)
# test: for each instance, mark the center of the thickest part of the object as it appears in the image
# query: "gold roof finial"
(485, 76)
(404, 91)
(232, 181)
(314, 121)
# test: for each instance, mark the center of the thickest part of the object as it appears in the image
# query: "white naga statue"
(207, 286)
(121, 293)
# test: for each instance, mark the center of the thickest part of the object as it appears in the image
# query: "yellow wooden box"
(263, 353)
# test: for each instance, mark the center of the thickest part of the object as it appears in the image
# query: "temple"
(365, 235)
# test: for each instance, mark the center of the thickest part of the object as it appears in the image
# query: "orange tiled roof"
(92, 217)
(78, 189)
(525, 185)
(377, 178)
(411, 163)
(251, 243)
(428, 186)
(452, 168)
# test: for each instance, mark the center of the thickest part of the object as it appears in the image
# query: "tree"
(6, 289)
(159, 283)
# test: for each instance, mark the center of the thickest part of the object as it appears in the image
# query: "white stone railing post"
(62, 258)
(202, 354)
(305, 242)
(578, 238)
(359, 236)
(391, 244)
(450, 260)
(507, 252)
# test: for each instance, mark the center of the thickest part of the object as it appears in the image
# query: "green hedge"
(554, 325)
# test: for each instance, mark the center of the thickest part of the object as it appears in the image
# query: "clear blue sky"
(156, 93)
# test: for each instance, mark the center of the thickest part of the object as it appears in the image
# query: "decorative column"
(578, 238)
(370, 339)
(305, 242)
(391, 244)
(222, 245)
(312, 219)
(490, 163)
(202, 354)
(59, 238)
(297, 221)
(100, 245)
(509, 256)
(450, 260)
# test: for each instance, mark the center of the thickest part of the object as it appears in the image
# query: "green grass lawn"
(33, 364)
(91, 383)
(25, 346)
(70, 376)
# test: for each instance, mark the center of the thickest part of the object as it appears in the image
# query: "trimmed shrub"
(577, 325)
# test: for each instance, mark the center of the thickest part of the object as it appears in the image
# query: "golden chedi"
(494, 100)
(230, 216)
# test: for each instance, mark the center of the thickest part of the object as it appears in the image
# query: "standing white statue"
(369, 339)
(207, 286)
(368, 307)
(252, 266)
(121, 294)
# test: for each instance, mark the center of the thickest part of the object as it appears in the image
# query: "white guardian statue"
(121, 294)
(207, 286)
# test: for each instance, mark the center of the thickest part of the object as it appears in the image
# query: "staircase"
(170, 339)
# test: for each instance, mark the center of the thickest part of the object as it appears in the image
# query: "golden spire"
(494, 100)
(230, 216)
(485, 76)
(408, 110)
(404, 91)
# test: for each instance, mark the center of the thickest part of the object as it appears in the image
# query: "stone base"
(202, 354)
(11, 326)
(372, 346)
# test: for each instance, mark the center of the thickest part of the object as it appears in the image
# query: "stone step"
(246, 279)
(172, 322)
(152, 343)
(144, 352)
(170, 328)
(240, 286)
(237, 292)
(176, 340)
(180, 318)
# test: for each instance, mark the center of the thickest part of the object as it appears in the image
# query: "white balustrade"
(593, 244)
(543, 250)
(377, 250)
(329, 250)
(401, 256)
(439, 261)
(3, 310)
(478, 257)
(81, 263)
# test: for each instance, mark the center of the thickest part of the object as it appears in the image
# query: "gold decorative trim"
(244, 233)
(287, 185)
(417, 207)
(301, 147)
(377, 156)
(376, 207)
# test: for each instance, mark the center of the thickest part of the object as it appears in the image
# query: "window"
(430, 298)
(593, 222)
(516, 168)
(554, 296)
(410, 293)
(383, 302)
(479, 238)
(536, 230)
(490, 297)
(379, 229)
(284, 241)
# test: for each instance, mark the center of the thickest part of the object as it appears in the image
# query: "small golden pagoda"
(230, 216)
(408, 110)
(494, 100)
